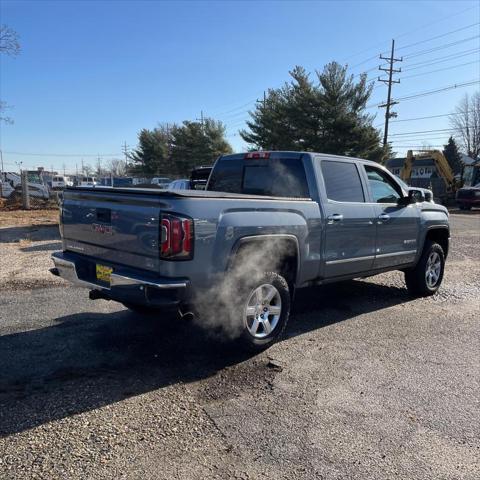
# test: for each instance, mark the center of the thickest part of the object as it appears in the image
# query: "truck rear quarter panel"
(221, 224)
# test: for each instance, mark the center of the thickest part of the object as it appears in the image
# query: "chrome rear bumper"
(66, 269)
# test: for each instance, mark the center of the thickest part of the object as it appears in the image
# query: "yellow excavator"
(444, 170)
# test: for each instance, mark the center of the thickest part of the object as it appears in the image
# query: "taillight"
(255, 155)
(176, 237)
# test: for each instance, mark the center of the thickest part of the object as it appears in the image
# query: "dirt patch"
(12, 218)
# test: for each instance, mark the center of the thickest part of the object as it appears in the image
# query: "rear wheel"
(263, 310)
(425, 279)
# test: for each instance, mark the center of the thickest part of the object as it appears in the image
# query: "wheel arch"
(440, 235)
(285, 245)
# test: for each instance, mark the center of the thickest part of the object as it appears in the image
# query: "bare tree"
(9, 44)
(466, 124)
(117, 167)
(88, 170)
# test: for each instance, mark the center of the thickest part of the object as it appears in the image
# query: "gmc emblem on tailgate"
(103, 229)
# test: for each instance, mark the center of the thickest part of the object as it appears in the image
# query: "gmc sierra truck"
(267, 224)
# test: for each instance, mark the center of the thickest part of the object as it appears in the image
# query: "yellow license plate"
(103, 273)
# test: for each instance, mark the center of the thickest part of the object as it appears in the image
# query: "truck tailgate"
(114, 227)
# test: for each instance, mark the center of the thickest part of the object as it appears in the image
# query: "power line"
(421, 118)
(439, 70)
(413, 54)
(235, 109)
(430, 92)
(441, 47)
(365, 61)
(233, 115)
(410, 31)
(427, 131)
(439, 36)
(418, 146)
(443, 89)
(63, 154)
(424, 118)
(416, 139)
(445, 58)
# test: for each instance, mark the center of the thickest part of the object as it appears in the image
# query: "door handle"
(336, 217)
(384, 217)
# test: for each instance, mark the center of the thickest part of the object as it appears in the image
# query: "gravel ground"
(368, 384)
(25, 254)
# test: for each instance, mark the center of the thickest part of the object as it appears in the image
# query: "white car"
(182, 184)
(6, 189)
(162, 182)
(59, 182)
(36, 187)
(88, 182)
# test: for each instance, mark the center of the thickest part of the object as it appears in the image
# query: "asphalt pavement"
(369, 383)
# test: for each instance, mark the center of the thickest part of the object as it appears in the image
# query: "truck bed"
(180, 193)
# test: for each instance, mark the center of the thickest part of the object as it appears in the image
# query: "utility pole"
(1, 176)
(201, 119)
(390, 70)
(99, 166)
(125, 148)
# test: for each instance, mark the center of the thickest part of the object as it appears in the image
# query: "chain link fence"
(30, 191)
(18, 191)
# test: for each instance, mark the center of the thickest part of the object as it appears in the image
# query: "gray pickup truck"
(267, 224)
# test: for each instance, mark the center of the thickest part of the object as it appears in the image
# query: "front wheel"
(263, 310)
(426, 277)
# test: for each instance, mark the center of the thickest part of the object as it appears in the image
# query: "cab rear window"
(273, 177)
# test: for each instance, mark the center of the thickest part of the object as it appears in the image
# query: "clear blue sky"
(92, 74)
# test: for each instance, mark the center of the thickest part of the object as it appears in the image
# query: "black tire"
(417, 280)
(461, 207)
(262, 340)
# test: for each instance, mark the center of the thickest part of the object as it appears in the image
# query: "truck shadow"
(33, 233)
(89, 360)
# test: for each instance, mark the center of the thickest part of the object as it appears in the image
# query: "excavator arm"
(441, 163)
(406, 171)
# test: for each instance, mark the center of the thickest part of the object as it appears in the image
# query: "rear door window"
(273, 177)
(342, 181)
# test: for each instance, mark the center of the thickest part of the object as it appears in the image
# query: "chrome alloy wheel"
(263, 310)
(433, 270)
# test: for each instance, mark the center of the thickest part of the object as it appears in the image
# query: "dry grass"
(14, 218)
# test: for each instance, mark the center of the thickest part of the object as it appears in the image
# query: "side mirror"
(416, 195)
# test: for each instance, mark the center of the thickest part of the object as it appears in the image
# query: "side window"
(383, 189)
(278, 177)
(282, 177)
(342, 181)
